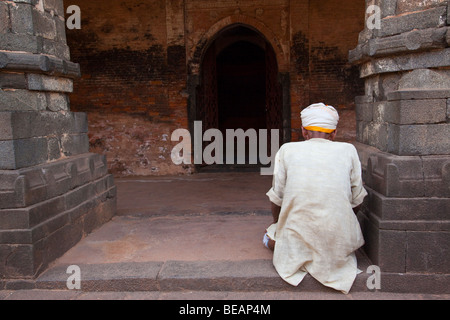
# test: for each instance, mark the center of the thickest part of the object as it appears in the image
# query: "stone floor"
(185, 237)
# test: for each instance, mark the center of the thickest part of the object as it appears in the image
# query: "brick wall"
(333, 26)
(322, 34)
(135, 57)
(132, 83)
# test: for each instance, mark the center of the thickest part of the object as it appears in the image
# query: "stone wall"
(403, 133)
(52, 190)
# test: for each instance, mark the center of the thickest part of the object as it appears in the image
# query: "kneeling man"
(316, 190)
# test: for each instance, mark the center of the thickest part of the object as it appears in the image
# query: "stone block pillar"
(52, 190)
(403, 133)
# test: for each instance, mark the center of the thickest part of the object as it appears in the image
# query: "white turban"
(320, 117)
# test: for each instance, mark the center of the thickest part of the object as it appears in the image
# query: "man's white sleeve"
(358, 191)
(276, 193)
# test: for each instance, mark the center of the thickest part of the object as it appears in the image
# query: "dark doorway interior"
(241, 83)
(239, 86)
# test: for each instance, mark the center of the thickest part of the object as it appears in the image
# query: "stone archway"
(199, 48)
(237, 84)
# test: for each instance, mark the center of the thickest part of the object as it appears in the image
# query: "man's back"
(316, 184)
(321, 171)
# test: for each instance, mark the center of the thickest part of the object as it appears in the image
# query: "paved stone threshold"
(114, 258)
(245, 275)
(215, 276)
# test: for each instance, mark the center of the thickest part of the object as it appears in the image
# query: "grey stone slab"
(57, 102)
(418, 94)
(33, 2)
(448, 16)
(22, 100)
(124, 276)
(78, 195)
(4, 17)
(44, 24)
(54, 245)
(16, 261)
(406, 6)
(74, 144)
(20, 42)
(12, 81)
(100, 166)
(17, 285)
(22, 153)
(89, 196)
(60, 24)
(377, 134)
(428, 252)
(7, 157)
(415, 225)
(219, 275)
(365, 152)
(436, 171)
(422, 60)
(412, 41)
(425, 79)
(246, 275)
(62, 51)
(50, 226)
(385, 248)
(424, 19)
(23, 125)
(45, 210)
(28, 186)
(394, 176)
(364, 111)
(363, 99)
(12, 187)
(54, 5)
(102, 213)
(37, 295)
(30, 152)
(379, 112)
(15, 237)
(388, 8)
(420, 209)
(416, 111)
(11, 219)
(51, 238)
(57, 65)
(45, 83)
(415, 283)
(21, 15)
(447, 38)
(80, 124)
(419, 139)
(408, 176)
(27, 124)
(54, 148)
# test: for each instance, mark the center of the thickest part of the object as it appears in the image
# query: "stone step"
(245, 275)
(212, 252)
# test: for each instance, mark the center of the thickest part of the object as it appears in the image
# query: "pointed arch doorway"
(239, 87)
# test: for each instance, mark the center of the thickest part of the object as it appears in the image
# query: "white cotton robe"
(317, 183)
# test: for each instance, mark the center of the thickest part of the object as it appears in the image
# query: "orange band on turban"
(319, 129)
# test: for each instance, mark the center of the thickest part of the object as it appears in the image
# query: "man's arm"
(276, 193)
(275, 212)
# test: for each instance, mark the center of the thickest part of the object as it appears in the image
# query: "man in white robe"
(316, 187)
